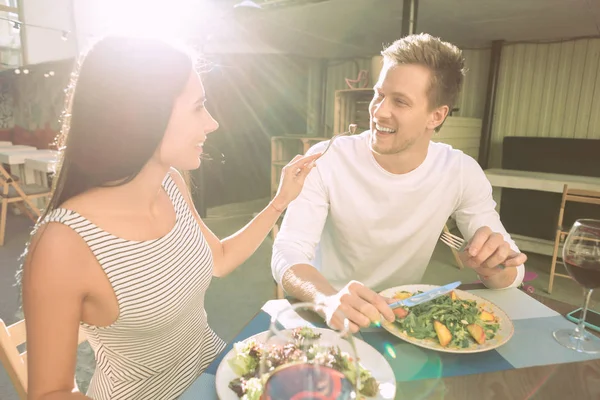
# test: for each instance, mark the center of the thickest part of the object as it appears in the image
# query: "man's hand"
(487, 250)
(398, 312)
(359, 304)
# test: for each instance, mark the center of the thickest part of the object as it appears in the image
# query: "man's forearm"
(305, 283)
(500, 280)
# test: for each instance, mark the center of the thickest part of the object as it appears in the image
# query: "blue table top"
(531, 345)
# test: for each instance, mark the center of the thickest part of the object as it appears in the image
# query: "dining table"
(539, 181)
(15, 156)
(531, 365)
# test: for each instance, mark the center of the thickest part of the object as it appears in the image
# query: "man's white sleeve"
(476, 208)
(302, 224)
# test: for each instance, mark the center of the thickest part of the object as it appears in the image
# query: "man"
(371, 212)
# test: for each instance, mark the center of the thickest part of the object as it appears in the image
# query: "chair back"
(573, 196)
(21, 196)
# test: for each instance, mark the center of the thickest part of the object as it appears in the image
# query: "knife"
(425, 296)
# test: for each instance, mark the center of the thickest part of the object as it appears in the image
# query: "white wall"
(547, 90)
(44, 45)
(471, 102)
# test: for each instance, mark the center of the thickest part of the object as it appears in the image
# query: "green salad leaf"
(247, 355)
(456, 315)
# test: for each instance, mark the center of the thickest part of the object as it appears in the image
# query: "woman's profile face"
(188, 126)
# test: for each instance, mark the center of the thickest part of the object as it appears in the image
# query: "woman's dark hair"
(117, 109)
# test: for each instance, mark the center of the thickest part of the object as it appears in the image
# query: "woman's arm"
(53, 295)
(232, 251)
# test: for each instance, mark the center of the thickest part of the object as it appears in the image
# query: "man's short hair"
(444, 60)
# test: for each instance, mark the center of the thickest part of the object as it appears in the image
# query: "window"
(9, 3)
(11, 51)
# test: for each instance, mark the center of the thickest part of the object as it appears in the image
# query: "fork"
(456, 242)
(453, 241)
(350, 131)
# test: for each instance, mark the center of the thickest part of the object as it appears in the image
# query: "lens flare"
(389, 349)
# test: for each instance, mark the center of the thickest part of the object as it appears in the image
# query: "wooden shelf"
(284, 148)
(351, 107)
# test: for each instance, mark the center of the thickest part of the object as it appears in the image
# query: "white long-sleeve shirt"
(356, 221)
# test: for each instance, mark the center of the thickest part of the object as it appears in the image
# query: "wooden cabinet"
(461, 133)
(351, 106)
(283, 149)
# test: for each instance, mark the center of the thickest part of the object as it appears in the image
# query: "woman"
(121, 250)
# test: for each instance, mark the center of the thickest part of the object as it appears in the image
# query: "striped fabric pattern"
(161, 341)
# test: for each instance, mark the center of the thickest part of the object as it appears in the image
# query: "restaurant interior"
(284, 75)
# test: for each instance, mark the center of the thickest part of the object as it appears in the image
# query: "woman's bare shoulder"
(82, 203)
(55, 253)
(181, 184)
(177, 177)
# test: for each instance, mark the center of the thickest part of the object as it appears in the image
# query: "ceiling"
(354, 28)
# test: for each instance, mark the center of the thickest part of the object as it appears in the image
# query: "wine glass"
(581, 256)
(300, 362)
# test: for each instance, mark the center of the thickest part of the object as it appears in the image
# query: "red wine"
(307, 382)
(586, 273)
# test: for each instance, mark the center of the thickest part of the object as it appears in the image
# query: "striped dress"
(161, 341)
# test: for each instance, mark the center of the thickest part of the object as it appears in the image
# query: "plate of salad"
(459, 322)
(238, 374)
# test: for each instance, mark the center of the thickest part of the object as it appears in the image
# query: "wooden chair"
(19, 195)
(575, 196)
(15, 361)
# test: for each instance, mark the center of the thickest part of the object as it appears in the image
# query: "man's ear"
(437, 117)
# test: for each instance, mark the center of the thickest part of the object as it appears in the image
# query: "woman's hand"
(292, 180)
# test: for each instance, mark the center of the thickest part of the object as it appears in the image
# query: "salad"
(448, 320)
(247, 355)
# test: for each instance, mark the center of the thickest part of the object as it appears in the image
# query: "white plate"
(504, 333)
(370, 359)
